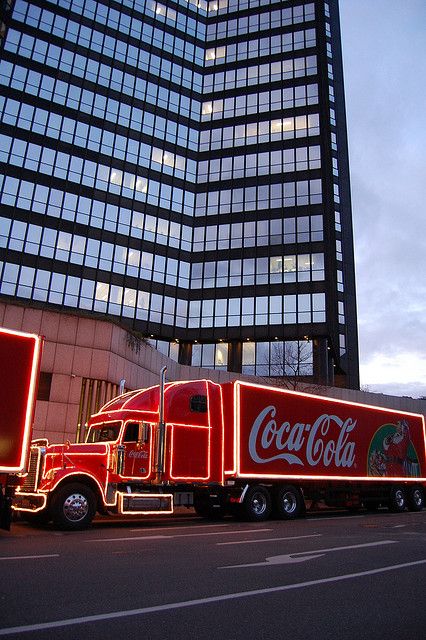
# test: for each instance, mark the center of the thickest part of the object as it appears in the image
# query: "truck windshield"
(104, 432)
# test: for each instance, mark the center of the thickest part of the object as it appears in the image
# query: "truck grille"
(30, 481)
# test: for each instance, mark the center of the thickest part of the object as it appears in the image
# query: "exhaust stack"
(161, 428)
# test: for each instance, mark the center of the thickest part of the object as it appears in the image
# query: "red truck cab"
(127, 465)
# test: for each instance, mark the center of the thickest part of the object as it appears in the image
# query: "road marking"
(179, 535)
(200, 526)
(399, 526)
(50, 555)
(302, 556)
(334, 517)
(314, 535)
(114, 615)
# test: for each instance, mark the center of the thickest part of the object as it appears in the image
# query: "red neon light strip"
(237, 417)
(31, 399)
(327, 399)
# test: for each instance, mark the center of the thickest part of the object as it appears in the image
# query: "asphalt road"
(323, 577)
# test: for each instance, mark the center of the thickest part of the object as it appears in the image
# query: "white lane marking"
(198, 526)
(332, 518)
(50, 555)
(179, 535)
(399, 526)
(314, 535)
(114, 615)
(302, 556)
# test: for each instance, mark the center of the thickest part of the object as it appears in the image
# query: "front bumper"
(29, 502)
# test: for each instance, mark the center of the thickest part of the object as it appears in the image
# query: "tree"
(290, 365)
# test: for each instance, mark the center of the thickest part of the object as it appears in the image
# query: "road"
(336, 576)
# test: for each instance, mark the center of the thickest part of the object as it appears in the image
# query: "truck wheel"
(415, 498)
(289, 502)
(73, 507)
(397, 500)
(257, 504)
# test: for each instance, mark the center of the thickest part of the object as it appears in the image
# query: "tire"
(289, 503)
(257, 504)
(415, 498)
(73, 507)
(397, 499)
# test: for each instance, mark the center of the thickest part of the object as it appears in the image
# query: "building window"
(278, 358)
(212, 356)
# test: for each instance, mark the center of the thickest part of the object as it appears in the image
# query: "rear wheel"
(289, 502)
(397, 499)
(257, 504)
(415, 498)
(73, 507)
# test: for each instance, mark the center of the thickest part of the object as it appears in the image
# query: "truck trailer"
(19, 372)
(237, 448)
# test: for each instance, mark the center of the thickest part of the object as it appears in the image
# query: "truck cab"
(141, 452)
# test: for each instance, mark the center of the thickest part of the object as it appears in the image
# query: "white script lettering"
(267, 437)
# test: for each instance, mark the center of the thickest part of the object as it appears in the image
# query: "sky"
(384, 57)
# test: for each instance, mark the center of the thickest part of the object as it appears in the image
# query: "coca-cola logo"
(138, 454)
(324, 441)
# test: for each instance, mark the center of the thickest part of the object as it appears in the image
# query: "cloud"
(401, 373)
(384, 58)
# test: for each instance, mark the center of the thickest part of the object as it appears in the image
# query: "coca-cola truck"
(245, 449)
(19, 371)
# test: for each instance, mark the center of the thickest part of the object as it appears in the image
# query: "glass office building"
(181, 167)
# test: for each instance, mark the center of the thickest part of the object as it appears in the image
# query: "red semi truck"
(239, 448)
(19, 371)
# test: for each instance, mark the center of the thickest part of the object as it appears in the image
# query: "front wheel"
(289, 502)
(73, 507)
(257, 504)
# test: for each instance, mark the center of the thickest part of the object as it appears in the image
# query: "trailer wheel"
(289, 502)
(73, 507)
(257, 504)
(397, 499)
(415, 498)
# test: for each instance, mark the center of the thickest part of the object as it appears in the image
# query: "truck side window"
(132, 432)
(104, 432)
(198, 404)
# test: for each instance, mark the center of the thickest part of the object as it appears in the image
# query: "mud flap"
(5, 510)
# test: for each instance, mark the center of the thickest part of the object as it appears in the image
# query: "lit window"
(102, 291)
(116, 177)
(276, 264)
(141, 185)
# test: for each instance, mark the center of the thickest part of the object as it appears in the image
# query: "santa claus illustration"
(395, 447)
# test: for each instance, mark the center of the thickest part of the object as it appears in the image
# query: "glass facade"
(181, 166)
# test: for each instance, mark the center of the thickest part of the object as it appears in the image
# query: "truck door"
(137, 455)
